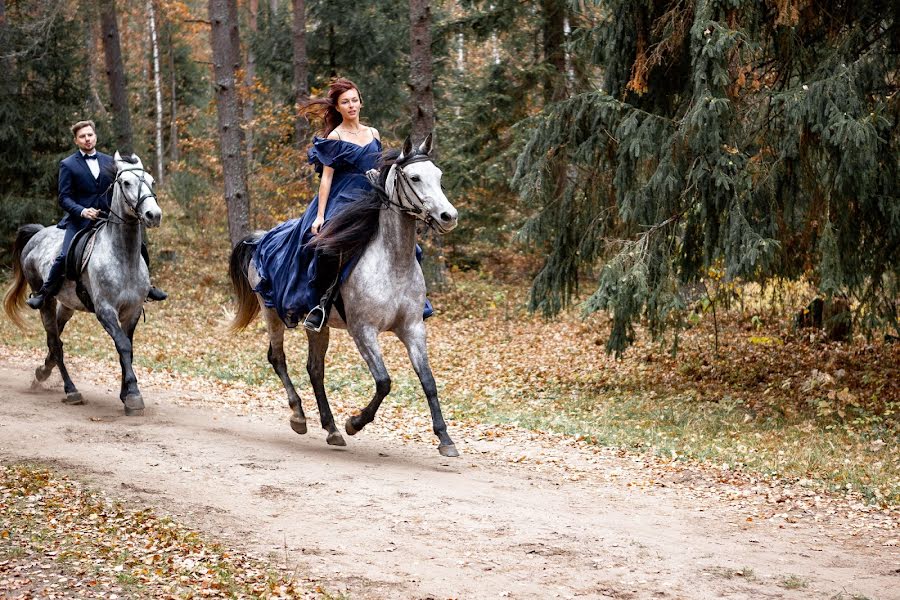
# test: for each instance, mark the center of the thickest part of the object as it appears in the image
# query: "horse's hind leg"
(367, 344)
(278, 361)
(315, 367)
(414, 340)
(53, 325)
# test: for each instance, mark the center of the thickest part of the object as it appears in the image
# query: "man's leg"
(57, 275)
(155, 293)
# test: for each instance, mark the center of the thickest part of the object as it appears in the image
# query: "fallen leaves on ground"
(60, 540)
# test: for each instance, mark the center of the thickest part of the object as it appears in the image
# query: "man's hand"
(91, 213)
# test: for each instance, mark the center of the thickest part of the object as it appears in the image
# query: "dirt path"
(519, 515)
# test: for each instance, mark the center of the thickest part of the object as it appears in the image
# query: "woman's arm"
(324, 190)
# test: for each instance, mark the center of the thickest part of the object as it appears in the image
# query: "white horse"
(385, 291)
(116, 278)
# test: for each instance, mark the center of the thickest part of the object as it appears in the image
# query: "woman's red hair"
(325, 108)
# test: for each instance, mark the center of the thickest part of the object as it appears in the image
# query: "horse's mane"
(351, 229)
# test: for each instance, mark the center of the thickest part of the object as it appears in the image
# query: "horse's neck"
(397, 236)
(124, 236)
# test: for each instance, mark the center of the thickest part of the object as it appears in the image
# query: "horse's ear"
(117, 156)
(407, 150)
(427, 145)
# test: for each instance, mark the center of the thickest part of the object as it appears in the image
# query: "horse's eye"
(127, 183)
(415, 178)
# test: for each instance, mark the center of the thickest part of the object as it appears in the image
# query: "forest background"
(673, 182)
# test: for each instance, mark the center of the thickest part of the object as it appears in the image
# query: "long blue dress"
(285, 260)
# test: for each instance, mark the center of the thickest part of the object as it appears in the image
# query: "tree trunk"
(249, 77)
(301, 70)
(173, 133)
(554, 36)
(7, 62)
(225, 40)
(422, 112)
(157, 88)
(115, 74)
(420, 77)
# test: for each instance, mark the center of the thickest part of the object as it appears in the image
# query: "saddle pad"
(80, 252)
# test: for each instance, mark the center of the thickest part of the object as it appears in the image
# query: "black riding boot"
(55, 279)
(155, 294)
(329, 271)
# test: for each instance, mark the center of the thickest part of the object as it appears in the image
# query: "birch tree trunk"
(225, 40)
(115, 74)
(301, 70)
(157, 88)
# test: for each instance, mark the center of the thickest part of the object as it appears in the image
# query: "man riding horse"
(85, 189)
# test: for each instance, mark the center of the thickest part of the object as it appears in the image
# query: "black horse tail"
(351, 229)
(14, 300)
(247, 304)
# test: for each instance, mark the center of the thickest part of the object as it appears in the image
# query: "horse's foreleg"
(54, 325)
(367, 344)
(414, 340)
(278, 361)
(130, 394)
(315, 367)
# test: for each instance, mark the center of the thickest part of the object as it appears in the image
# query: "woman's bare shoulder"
(375, 134)
(334, 135)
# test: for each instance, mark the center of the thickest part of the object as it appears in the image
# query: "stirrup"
(310, 326)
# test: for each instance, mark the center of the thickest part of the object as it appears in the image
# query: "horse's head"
(414, 183)
(134, 186)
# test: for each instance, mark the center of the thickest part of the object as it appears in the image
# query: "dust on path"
(518, 515)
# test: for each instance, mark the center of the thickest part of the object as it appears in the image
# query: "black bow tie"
(90, 156)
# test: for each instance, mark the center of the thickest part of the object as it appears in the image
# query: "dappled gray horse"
(116, 278)
(385, 291)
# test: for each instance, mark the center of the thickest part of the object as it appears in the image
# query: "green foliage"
(41, 95)
(368, 43)
(729, 132)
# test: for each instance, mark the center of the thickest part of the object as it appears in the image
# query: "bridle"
(142, 183)
(403, 202)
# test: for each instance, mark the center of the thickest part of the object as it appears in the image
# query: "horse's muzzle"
(152, 218)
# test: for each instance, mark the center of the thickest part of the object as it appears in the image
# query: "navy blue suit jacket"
(79, 190)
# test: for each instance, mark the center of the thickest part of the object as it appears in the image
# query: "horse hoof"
(298, 425)
(134, 406)
(41, 374)
(349, 428)
(73, 399)
(335, 439)
(448, 451)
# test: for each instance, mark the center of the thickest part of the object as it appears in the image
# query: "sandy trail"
(518, 515)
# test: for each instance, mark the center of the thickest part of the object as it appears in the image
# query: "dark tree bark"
(422, 112)
(249, 77)
(554, 38)
(174, 154)
(420, 77)
(225, 40)
(301, 70)
(115, 74)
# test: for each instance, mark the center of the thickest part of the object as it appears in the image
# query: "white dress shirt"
(93, 164)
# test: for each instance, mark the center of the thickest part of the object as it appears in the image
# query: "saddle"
(77, 258)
